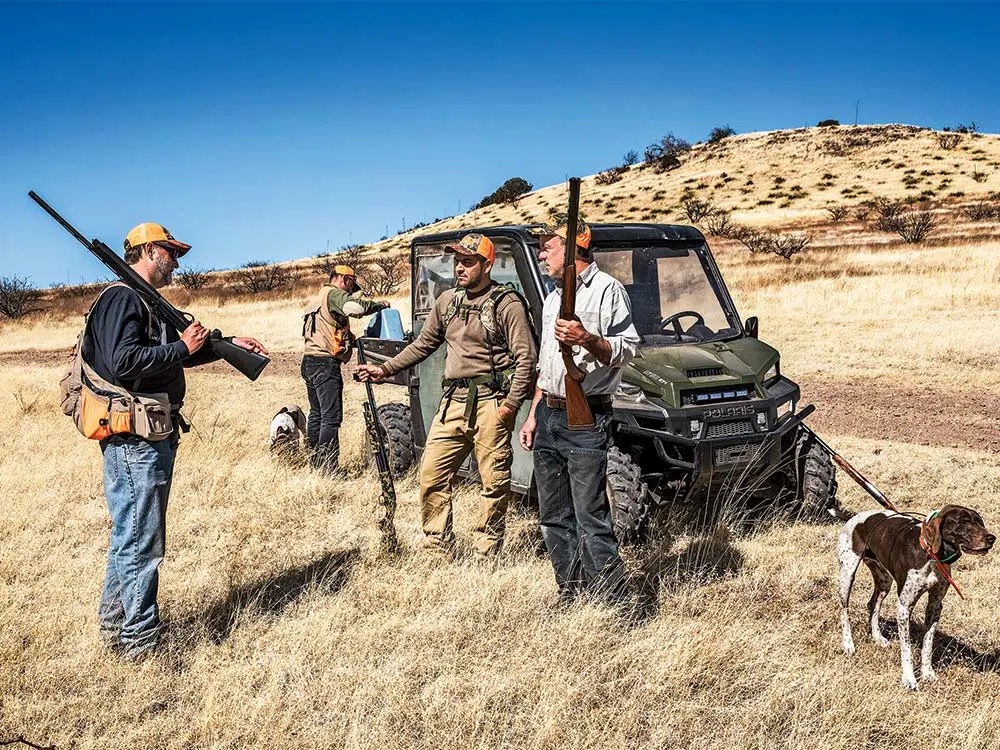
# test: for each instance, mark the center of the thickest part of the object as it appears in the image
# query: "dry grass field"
(289, 629)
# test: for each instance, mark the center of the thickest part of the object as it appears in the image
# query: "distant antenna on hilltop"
(857, 106)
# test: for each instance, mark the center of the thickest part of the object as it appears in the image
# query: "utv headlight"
(772, 373)
(629, 392)
(785, 409)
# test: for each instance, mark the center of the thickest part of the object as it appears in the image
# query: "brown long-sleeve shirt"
(468, 353)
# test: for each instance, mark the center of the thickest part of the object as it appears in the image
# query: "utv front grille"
(735, 454)
(704, 372)
(716, 395)
(729, 429)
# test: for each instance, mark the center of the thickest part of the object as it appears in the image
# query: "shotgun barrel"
(377, 444)
(249, 363)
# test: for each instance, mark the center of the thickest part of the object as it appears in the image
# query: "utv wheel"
(630, 498)
(818, 475)
(395, 422)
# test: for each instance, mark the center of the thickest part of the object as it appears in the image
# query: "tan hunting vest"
(324, 334)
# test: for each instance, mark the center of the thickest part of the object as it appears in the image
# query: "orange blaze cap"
(150, 231)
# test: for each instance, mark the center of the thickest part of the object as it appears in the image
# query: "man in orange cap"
(571, 465)
(488, 374)
(326, 332)
(128, 346)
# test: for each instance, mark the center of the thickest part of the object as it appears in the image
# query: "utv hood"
(664, 372)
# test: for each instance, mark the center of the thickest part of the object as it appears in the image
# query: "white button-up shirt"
(604, 309)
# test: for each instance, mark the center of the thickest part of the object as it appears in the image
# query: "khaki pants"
(448, 444)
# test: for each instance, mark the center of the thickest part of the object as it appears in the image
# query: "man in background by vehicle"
(489, 370)
(133, 350)
(571, 465)
(328, 341)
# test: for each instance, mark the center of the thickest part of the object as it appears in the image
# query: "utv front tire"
(398, 429)
(630, 498)
(818, 475)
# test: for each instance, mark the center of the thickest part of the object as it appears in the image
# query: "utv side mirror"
(751, 327)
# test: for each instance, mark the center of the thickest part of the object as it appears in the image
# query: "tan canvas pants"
(448, 444)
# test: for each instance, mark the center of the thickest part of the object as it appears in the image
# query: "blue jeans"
(571, 471)
(325, 389)
(137, 475)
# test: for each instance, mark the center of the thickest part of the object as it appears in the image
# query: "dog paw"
(910, 682)
(848, 645)
(928, 675)
(881, 641)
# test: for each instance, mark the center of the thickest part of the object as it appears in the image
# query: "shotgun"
(853, 473)
(578, 414)
(249, 363)
(377, 443)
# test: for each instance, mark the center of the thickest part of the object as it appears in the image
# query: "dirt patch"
(924, 416)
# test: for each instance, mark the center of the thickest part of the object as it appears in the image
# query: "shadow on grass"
(706, 559)
(270, 596)
(948, 650)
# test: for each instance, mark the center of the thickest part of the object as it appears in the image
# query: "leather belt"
(600, 403)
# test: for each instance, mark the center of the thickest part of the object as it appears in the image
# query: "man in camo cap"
(488, 374)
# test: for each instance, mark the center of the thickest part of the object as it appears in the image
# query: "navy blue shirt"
(140, 355)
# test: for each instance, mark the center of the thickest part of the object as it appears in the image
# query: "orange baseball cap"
(344, 271)
(474, 244)
(150, 231)
(558, 228)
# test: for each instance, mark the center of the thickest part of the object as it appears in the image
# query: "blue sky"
(267, 132)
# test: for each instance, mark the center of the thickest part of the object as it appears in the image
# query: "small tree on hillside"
(631, 158)
(720, 133)
(18, 297)
(665, 154)
(914, 226)
(385, 275)
(507, 194)
(192, 278)
(256, 277)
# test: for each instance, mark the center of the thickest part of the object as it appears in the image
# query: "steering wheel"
(675, 321)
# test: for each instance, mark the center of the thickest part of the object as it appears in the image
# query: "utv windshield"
(673, 298)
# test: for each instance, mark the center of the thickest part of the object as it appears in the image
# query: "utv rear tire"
(630, 498)
(395, 422)
(819, 481)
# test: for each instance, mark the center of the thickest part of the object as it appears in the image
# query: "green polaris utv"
(704, 417)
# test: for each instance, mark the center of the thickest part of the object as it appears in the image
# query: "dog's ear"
(930, 532)
(282, 410)
(300, 418)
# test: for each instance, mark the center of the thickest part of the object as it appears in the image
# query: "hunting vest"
(326, 334)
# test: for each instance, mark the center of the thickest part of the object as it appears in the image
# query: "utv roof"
(603, 234)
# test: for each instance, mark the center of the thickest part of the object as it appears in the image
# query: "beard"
(164, 274)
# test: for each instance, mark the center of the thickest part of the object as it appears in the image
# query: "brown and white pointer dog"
(902, 549)
(287, 430)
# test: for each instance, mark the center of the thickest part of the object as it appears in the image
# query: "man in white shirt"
(570, 465)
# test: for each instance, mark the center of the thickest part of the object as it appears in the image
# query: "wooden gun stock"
(578, 414)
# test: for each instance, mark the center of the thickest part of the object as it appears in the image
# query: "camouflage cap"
(473, 244)
(557, 226)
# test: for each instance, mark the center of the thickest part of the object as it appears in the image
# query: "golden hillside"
(781, 178)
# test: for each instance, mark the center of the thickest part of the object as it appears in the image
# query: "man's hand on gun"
(369, 372)
(194, 337)
(251, 345)
(573, 333)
